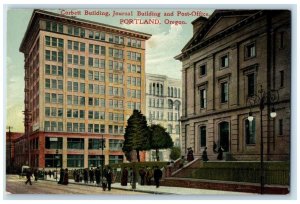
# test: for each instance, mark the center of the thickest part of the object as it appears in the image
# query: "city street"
(16, 185)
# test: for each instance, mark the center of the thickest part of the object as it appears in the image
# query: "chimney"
(198, 23)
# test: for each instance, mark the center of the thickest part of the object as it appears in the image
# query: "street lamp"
(262, 97)
(56, 159)
(102, 159)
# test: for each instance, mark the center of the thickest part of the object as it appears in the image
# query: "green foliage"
(137, 134)
(175, 153)
(160, 139)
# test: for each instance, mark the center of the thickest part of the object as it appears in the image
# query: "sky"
(166, 42)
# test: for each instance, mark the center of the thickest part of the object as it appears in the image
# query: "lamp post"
(262, 98)
(102, 159)
(56, 159)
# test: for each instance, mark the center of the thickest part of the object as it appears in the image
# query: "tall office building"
(163, 106)
(82, 81)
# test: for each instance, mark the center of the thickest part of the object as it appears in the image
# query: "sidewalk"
(162, 189)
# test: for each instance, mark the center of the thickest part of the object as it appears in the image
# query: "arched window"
(153, 91)
(170, 104)
(157, 89)
(168, 91)
(178, 93)
(161, 90)
(177, 105)
(150, 88)
(250, 131)
(175, 92)
(171, 91)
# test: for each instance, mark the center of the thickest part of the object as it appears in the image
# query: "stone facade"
(163, 106)
(231, 56)
(82, 81)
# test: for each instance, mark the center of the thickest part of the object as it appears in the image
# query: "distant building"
(12, 139)
(82, 81)
(163, 106)
(230, 56)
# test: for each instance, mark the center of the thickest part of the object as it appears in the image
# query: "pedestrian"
(157, 176)
(204, 155)
(28, 176)
(124, 178)
(66, 177)
(85, 176)
(104, 183)
(61, 176)
(181, 162)
(91, 175)
(50, 173)
(149, 175)
(35, 174)
(190, 154)
(142, 173)
(97, 175)
(220, 153)
(109, 176)
(46, 174)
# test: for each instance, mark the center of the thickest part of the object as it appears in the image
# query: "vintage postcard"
(148, 101)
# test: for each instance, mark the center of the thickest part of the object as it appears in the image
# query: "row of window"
(77, 161)
(53, 126)
(132, 93)
(158, 103)
(134, 56)
(134, 105)
(75, 45)
(54, 84)
(54, 56)
(77, 31)
(54, 42)
(97, 49)
(224, 94)
(134, 81)
(250, 52)
(54, 70)
(97, 76)
(78, 143)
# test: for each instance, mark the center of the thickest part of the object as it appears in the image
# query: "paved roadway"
(15, 185)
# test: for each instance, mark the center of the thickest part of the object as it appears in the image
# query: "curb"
(133, 190)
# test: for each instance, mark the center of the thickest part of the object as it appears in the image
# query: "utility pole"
(9, 148)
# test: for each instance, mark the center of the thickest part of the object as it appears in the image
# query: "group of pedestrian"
(219, 151)
(64, 177)
(29, 174)
(146, 174)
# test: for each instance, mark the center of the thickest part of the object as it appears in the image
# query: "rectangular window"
(53, 143)
(75, 45)
(224, 92)
(250, 131)
(82, 47)
(250, 50)
(48, 25)
(76, 161)
(60, 71)
(202, 70)
(280, 126)
(60, 43)
(202, 98)
(251, 85)
(47, 55)
(81, 114)
(281, 78)
(75, 143)
(224, 61)
(203, 136)
(60, 28)
(47, 39)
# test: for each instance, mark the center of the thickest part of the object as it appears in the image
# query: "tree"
(137, 134)
(160, 139)
(175, 153)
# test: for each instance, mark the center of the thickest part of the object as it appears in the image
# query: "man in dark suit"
(157, 176)
(109, 176)
(28, 176)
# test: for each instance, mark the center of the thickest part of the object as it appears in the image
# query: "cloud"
(160, 52)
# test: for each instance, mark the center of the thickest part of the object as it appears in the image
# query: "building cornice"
(46, 15)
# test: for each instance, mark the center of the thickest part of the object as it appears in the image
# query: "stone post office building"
(230, 56)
